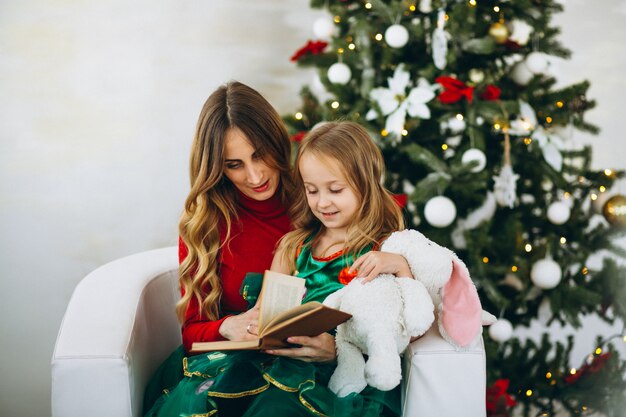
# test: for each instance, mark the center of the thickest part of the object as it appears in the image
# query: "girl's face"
(246, 170)
(329, 196)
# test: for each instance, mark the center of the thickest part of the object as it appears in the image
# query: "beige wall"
(99, 101)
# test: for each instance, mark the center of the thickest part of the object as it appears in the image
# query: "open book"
(281, 315)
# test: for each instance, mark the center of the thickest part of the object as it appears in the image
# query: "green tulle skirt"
(251, 383)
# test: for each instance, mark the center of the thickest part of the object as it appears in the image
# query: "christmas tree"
(461, 98)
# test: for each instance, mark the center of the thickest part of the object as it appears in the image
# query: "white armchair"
(120, 325)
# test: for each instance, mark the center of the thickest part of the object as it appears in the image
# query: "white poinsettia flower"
(551, 146)
(395, 103)
(525, 122)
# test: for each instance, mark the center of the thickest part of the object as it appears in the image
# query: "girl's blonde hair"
(362, 165)
(211, 203)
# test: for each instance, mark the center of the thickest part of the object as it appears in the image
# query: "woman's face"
(246, 170)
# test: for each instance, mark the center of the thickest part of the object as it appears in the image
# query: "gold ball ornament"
(614, 210)
(499, 32)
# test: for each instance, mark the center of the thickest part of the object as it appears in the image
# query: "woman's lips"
(262, 188)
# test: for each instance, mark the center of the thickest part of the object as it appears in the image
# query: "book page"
(279, 293)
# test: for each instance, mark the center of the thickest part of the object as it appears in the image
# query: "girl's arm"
(373, 263)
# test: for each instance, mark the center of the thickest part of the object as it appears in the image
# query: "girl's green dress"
(253, 384)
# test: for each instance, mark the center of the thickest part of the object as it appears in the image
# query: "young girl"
(341, 212)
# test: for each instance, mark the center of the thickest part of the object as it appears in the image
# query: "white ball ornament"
(324, 27)
(477, 155)
(546, 273)
(537, 62)
(521, 74)
(558, 212)
(440, 211)
(339, 73)
(501, 330)
(396, 36)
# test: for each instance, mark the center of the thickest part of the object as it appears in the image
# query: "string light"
(379, 37)
(529, 393)
(337, 19)
(514, 268)
(384, 132)
(593, 196)
(528, 247)
(559, 104)
(340, 50)
(608, 172)
(549, 375)
(368, 5)
(549, 119)
(334, 104)
(298, 116)
(563, 240)
(572, 371)
(459, 116)
(404, 132)
(585, 270)
(496, 9)
(528, 141)
(472, 3)
(351, 47)
(598, 351)
(566, 195)
(444, 146)
(602, 188)
(412, 7)
(485, 260)
(497, 126)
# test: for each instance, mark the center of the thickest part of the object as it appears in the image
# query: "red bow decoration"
(400, 199)
(490, 93)
(596, 365)
(454, 90)
(311, 47)
(298, 137)
(497, 394)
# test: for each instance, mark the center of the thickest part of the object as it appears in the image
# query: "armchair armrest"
(440, 381)
(118, 327)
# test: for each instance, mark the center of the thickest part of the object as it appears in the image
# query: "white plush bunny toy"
(388, 311)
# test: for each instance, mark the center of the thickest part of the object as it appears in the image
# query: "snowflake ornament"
(504, 187)
(395, 103)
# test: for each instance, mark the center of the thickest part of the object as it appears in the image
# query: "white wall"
(99, 102)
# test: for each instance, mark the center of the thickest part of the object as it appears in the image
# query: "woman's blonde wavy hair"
(211, 202)
(361, 163)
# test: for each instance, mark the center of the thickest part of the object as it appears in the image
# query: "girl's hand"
(373, 263)
(320, 348)
(244, 326)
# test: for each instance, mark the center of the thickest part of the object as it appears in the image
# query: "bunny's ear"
(460, 309)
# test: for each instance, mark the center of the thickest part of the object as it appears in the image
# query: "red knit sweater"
(253, 240)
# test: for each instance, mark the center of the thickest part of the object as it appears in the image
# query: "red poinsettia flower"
(496, 392)
(311, 48)
(454, 90)
(490, 93)
(298, 137)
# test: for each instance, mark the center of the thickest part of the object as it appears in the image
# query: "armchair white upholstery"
(120, 325)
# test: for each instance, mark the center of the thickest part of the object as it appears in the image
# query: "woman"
(234, 215)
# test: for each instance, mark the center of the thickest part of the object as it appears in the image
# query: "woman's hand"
(373, 263)
(320, 348)
(244, 326)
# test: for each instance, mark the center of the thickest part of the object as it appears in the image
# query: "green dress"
(254, 384)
